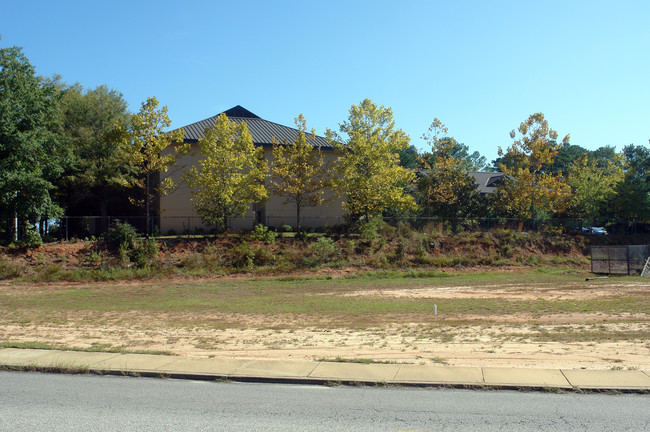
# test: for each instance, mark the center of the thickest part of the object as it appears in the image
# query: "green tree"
(101, 166)
(298, 171)
(528, 188)
(632, 198)
(152, 153)
(409, 157)
(447, 187)
(566, 154)
(31, 154)
(370, 176)
(229, 176)
(436, 137)
(592, 185)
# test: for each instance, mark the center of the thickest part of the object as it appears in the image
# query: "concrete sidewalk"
(314, 372)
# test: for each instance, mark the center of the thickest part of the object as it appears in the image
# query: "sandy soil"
(484, 345)
(508, 340)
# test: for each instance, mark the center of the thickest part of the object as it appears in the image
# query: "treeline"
(544, 177)
(66, 149)
(69, 150)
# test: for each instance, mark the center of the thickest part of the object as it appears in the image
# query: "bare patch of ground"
(473, 345)
(575, 291)
(574, 339)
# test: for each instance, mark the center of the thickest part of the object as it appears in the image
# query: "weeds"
(375, 244)
(9, 269)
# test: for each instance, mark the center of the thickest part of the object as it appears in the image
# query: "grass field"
(385, 315)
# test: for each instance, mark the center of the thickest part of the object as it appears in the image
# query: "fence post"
(628, 260)
(67, 219)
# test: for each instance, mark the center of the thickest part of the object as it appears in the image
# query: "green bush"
(262, 233)
(324, 249)
(32, 238)
(242, 255)
(399, 251)
(144, 252)
(94, 259)
(375, 232)
(421, 256)
(121, 233)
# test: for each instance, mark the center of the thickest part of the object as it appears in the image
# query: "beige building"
(177, 212)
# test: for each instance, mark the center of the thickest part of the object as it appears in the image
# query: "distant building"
(176, 209)
(487, 182)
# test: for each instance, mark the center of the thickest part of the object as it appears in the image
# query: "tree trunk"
(147, 204)
(15, 226)
(299, 234)
(103, 211)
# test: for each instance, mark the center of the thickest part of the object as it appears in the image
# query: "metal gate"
(626, 259)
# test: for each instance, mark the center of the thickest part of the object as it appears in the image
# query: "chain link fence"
(626, 259)
(68, 227)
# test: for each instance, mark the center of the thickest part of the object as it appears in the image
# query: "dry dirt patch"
(521, 340)
(481, 345)
(570, 291)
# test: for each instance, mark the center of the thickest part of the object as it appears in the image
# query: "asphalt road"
(50, 402)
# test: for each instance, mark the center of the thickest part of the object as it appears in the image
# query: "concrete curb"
(324, 373)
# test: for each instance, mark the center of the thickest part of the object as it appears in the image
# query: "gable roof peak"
(239, 111)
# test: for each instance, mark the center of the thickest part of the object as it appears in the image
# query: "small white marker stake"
(435, 309)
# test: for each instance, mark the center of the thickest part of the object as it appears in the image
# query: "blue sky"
(481, 67)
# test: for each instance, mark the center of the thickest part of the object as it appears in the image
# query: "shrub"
(373, 232)
(262, 233)
(377, 259)
(404, 230)
(94, 259)
(9, 270)
(242, 255)
(32, 238)
(51, 273)
(399, 251)
(123, 254)
(421, 256)
(263, 256)
(144, 252)
(321, 251)
(324, 249)
(121, 233)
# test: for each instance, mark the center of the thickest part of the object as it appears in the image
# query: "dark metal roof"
(262, 131)
(487, 181)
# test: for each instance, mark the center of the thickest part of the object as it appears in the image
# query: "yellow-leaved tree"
(529, 188)
(230, 175)
(298, 171)
(370, 178)
(151, 152)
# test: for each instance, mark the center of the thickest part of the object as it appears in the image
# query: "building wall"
(177, 212)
